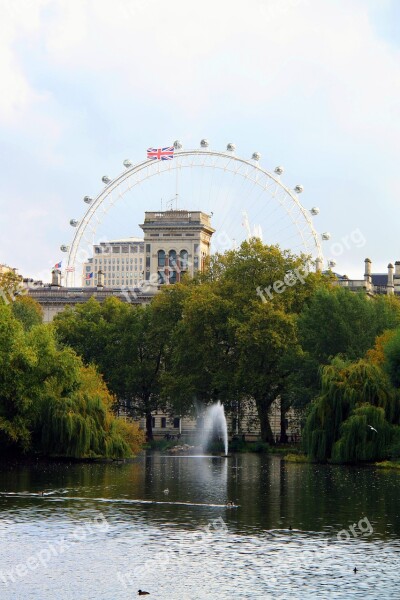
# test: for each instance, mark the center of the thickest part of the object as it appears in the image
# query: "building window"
(161, 258)
(184, 259)
(172, 277)
(161, 277)
(153, 421)
(172, 258)
(163, 422)
(148, 262)
(148, 248)
(176, 422)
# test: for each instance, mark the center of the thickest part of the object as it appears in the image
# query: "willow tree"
(364, 436)
(81, 424)
(350, 394)
(50, 403)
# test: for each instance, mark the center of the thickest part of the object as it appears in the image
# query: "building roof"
(379, 278)
(121, 241)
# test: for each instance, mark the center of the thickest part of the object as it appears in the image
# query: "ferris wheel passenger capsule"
(73, 222)
(326, 235)
(314, 210)
(279, 170)
(298, 189)
(204, 143)
(256, 156)
(178, 145)
(105, 179)
(64, 248)
(88, 199)
(127, 163)
(331, 263)
(231, 147)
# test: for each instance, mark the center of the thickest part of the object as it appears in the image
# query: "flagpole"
(177, 187)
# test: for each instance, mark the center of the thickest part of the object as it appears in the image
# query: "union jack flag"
(58, 265)
(89, 275)
(161, 153)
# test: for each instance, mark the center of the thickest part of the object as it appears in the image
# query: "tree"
(391, 353)
(351, 394)
(125, 344)
(10, 283)
(49, 402)
(230, 342)
(337, 321)
(27, 311)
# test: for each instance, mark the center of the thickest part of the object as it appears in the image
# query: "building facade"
(176, 242)
(374, 283)
(121, 262)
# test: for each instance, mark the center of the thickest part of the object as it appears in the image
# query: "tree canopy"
(50, 403)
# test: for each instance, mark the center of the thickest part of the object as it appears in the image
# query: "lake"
(161, 524)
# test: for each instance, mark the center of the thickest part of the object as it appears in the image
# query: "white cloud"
(316, 73)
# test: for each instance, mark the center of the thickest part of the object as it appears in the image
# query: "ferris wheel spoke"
(249, 185)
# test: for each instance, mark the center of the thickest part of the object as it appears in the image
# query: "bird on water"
(142, 593)
(355, 569)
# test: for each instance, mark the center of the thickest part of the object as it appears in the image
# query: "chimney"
(396, 278)
(56, 278)
(367, 275)
(100, 279)
(390, 284)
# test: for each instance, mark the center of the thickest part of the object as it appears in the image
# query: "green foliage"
(10, 283)
(348, 392)
(126, 342)
(394, 448)
(27, 311)
(391, 352)
(337, 321)
(228, 345)
(49, 402)
(358, 442)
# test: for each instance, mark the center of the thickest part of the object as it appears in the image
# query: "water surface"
(161, 524)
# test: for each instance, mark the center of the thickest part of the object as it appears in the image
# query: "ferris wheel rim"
(174, 164)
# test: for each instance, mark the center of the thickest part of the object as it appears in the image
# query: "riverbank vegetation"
(51, 404)
(234, 333)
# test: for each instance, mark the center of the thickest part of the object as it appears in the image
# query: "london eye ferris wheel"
(243, 198)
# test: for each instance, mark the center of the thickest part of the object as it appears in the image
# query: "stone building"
(374, 283)
(176, 242)
(121, 261)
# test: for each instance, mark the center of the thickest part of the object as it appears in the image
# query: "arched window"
(161, 258)
(184, 259)
(172, 259)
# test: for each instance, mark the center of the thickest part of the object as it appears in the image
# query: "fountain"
(215, 425)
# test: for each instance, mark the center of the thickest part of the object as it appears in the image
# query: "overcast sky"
(313, 85)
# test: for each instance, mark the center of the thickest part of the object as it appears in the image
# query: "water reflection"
(254, 554)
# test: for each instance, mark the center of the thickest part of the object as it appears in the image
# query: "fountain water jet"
(215, 424)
